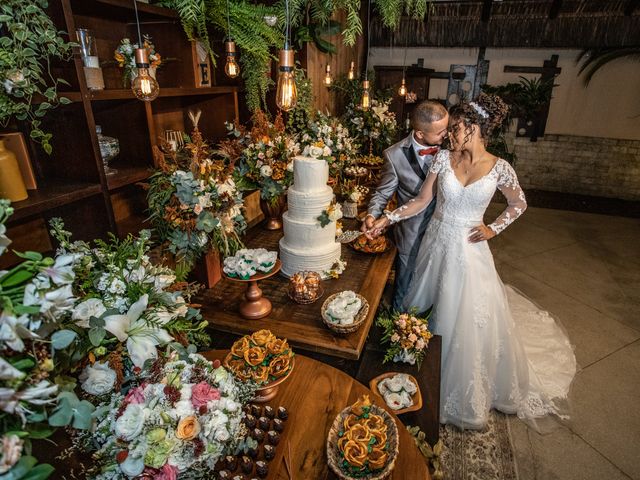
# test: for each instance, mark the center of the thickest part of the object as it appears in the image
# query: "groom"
(405, 168)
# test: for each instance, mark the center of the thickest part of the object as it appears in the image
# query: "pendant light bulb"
(328, 80)
(144, 86)
(286, 92)
(352, 71)
(402, 91)
(366, 96)
(231, 68)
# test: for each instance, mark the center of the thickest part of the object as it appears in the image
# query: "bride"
(498, 349)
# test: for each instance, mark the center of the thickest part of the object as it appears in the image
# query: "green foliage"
(72, 411)
(30, 41)
(254, 38)
(302, 113)
(525, 98)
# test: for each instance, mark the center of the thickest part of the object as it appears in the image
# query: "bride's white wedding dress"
(498, 349)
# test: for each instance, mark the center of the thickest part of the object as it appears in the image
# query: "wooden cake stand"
(255, 306)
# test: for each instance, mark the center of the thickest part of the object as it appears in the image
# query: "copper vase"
(273, 210)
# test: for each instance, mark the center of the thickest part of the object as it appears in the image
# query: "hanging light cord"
(135, 7)
(287, 26)
(228, 22)
(366, 70)
(404, 62)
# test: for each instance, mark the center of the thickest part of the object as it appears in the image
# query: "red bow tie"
(428, 151)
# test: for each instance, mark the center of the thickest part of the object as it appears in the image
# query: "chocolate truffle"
(269, 412)
(283, 414)
(250, 421)
(269, 452)
(264, 423)
(273, 436)
(246, 464)
(231, 462)
(262, 469)
(258, 435)
(278, 425)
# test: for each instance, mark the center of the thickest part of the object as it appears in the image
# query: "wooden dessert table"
(302, 325)
(314, 394)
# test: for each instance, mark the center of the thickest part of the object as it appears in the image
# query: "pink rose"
(402, 323)
(412, 337)
(167, 472)
(395, 338)
(135, 395)
(420, 344)
(202, 393)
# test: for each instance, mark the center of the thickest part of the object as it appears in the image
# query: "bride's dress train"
(498, 349)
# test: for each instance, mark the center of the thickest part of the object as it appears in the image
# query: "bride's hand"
(378, 227)
(481, 233)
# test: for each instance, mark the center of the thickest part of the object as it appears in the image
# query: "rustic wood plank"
(301, 324)
(314, 394)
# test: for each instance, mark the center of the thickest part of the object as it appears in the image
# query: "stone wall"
(601, 167)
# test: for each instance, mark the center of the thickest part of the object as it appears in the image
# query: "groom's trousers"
(406, 261)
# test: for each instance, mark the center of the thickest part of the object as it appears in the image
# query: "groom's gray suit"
(403, 173)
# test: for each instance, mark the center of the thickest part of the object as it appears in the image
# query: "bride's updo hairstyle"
(487, 112)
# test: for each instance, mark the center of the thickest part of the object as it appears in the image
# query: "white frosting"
(313, 260)
(307, 205)
(310, 174)
(306, 245)
(307, 234)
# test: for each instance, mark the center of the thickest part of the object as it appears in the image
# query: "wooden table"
(314, 394)
(301, 324)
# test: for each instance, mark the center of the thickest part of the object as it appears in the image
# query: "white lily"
(8, 371)
(141, 337)
(13, 329)
(61, 272)
(51, 303)
(4, 241)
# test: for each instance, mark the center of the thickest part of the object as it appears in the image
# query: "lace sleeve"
(510, 188)
(439, 161)
(417, 205)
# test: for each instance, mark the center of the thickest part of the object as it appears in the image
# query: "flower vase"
(349, 209)
(405, 357)
(273, 210)
(208, 270)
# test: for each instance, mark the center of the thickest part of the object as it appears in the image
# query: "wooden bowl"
(416, 397)
(359, 319)
(333, 454)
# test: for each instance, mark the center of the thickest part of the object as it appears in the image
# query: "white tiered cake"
(306, 245)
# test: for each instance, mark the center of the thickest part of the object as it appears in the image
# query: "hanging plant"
(29, 41)
(254, 37)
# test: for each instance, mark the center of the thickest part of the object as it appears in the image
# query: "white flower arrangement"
(247, 262)
(397, 391)
(180, 421)
(344, 308)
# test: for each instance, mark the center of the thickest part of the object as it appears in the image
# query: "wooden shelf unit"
(72, 178)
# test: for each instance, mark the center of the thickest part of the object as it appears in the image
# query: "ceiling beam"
(554, 11)
(631, 6)
(486, 10)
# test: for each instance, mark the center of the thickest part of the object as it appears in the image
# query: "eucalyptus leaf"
(62, 339)
(96, 335)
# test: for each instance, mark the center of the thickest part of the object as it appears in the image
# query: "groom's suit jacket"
(403, 174)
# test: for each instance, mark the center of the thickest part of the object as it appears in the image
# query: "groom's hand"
(481, 233)
(367, 223)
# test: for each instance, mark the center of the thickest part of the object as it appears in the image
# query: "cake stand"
(255, 306)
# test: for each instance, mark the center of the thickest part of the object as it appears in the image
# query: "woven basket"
(333, 454)
(359, 319)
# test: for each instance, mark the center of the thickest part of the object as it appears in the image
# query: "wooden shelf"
(51, 196)
(123, 10)
(127, 94)
(131, 225)
(127, 175)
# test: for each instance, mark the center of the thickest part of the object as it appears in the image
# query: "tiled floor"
(585, 269)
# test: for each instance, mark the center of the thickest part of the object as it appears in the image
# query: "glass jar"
(109, 149)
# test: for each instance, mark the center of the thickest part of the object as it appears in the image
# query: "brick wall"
(601, 167)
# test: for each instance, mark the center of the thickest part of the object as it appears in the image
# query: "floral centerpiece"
(327, 139)
(260, 357)
(374, 129)
(407, 335)
(179, 421)
(194, 202)
(126, 58)
(266, 161)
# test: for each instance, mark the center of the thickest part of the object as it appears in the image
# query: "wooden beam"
(486, 10)
(631, 6)
(556, 5)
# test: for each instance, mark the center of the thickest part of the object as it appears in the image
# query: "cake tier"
(307, 234)
(306, 259)
(308, 205)
(310, 174)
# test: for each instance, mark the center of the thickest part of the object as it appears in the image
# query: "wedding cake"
(306, 244)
